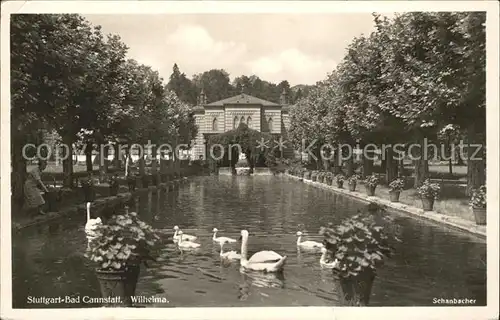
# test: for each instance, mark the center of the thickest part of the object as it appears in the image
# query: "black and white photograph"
(239, 159)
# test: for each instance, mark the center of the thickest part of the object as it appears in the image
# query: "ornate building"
(224, 115)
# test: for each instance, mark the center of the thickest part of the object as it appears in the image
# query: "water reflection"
(430, 261)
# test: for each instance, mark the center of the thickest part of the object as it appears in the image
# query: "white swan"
(90, 226)
(324, 264)
(221, 240)
(255, 262)
(230, 255)
(186, 244)
(185, 237)
(308, 244)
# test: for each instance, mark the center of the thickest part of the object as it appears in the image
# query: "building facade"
(227, 114)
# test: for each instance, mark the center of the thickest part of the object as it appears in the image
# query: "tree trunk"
(88, 157)
(421, 165)
(476, 162)
(19, 171)
(154, 164)
(391, 168)
(117, 158)
(68, 162)
(367, 163)
(350, 166)
(103, 161)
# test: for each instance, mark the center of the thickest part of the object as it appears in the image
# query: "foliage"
(353, 179)
(359, 243)
(397, 184)
(123, 241)
(371, 181)
(478, 198)
(113, 181)
(340, 178)
(429, 190)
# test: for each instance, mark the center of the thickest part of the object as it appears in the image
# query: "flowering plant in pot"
(352, 181)
(329, 178)
(118, 247)
(88, 184)
(428, 192)
(114, 185)
(395, 187)
(321, 176)
(371, 183)
(478, 205)
(307, 174)
(314, 175)
(358, 245)
(340, 178)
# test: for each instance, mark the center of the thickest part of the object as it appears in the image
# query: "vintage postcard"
(249, 159)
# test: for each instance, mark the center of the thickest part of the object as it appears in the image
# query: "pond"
(429, 263)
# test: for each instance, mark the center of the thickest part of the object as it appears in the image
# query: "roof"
(243, 99)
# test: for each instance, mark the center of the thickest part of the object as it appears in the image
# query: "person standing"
(33, 199)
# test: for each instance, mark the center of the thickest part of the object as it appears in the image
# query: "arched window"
(235, 123)
(270, 124)
(242, 119)
(214, 125)
(249, 121)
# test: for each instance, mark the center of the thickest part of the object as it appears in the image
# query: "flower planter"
(479, 215)
(370, 190)
(427, 204)
(329, 181)
(355, 290)
(321, 179)
(118, 286)
(314, 178)
(352, 186)
(340, 184)
(132, 183)
(394, 196)
(307, 175)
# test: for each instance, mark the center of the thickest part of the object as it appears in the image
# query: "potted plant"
(114, 185)
(307, 174)
(88, 184)
(478, 204)
(428, 192)
(395, 187)
(314, 175)
(329, 178)
(352, 181)
(358, 245)
(118, 247)
(371, 183)
(340, 181)
(321, 176)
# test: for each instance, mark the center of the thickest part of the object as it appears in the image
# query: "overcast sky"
(299, 48)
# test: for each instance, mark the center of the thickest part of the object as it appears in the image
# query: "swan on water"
(274, 262)
(230, 255)
(308, 243)
(91, 225)
(324, 264)
(186, 244)
(221, 240)
(185, 237)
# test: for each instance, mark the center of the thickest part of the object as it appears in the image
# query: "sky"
(300, 48)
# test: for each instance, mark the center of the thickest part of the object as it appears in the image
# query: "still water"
(430, 262)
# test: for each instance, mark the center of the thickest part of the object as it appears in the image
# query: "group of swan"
(266, 260)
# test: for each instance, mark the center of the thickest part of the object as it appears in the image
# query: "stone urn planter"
(352, 186)
(428, 192)
(395, 188)
(118, 248)
(307, 175)
(478, 205)
(371, 183)
(354, 263)
(314, 176)
(479, 215)
(352, 181)
(394, 196)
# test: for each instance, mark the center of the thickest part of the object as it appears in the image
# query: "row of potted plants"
(427, 191)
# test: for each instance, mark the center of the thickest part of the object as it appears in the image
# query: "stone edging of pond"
(97, 205)
(453, 222)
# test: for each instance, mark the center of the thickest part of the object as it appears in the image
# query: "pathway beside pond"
(448, 220)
